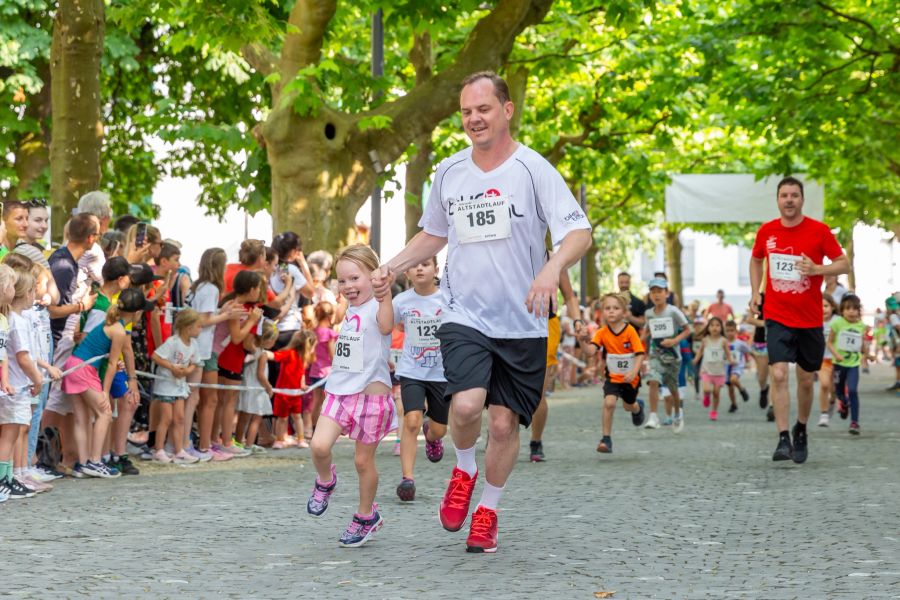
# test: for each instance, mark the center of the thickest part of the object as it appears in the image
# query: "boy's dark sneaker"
(537, 452)
(764, 397)
(732, 408)
(798, 433)
(406, 491)
(637, 419)
(770, 414)
(125, 466)
(784, 451)
(843, 408)
(605, 445)
(745, 395)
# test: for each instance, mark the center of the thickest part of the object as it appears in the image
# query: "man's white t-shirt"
(421, 317)
(485, 283)
(206, 300)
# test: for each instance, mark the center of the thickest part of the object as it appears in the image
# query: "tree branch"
(260, 58)
(303, 46)
(487, 47)
(847, 17)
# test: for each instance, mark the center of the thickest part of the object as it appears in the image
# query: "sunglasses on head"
(35, 203)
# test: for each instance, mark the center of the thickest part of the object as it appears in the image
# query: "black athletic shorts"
(627, 392)
(511, 370)
(804, 346)
(427, 396)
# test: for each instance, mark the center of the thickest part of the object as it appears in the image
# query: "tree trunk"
(417, 172)
(77, 132)
(673, 259)
(593, 279)
(322, 162)
(33, 149)
(851, 252)
(318, 182)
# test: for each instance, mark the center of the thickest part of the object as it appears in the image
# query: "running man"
(492, 204)
(795, 246)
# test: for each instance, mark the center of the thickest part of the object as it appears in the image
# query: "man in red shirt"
(720, 308)
(794, 246)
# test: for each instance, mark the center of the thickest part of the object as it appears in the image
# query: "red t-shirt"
(793, 299)
(290, 376)
(164, 328)
(232, 356)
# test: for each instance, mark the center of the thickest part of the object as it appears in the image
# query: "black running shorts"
(427, 396)
(511, 370)
(627, 392)
(804, 346)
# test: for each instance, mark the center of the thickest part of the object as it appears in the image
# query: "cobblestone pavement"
(703, 514)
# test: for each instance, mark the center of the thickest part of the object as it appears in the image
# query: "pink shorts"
(366, 418)
(716, 380)
(85, 378)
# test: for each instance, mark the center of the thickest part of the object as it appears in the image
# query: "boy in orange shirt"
(624, 354)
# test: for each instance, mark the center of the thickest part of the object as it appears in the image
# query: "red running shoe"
(483, 532)
(455, 505)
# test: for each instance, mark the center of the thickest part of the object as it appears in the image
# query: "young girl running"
(421, 372)
(624, 352)
(90, 397)
(712, 356)
(178, 357)
(826, 371)
(847, 345)
(247, 294)
(255, 404)
(740, 351)
(204, 299)
(358, 399)
(293, 359)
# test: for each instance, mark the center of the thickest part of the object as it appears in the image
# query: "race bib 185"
(482, 220)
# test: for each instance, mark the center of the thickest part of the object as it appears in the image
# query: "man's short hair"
(790, 181)
(124, 223)
(501, 88)
(167, 251)
(11, 205)
(95, 203)
(624, 274)
(81, 227)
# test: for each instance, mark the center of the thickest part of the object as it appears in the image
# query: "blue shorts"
(119, 385)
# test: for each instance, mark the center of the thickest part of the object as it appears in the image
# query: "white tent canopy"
(731, 198)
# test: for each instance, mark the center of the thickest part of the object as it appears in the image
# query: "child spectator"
(177, 358)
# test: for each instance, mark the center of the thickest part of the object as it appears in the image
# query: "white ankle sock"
(490, 496)
(465, 461)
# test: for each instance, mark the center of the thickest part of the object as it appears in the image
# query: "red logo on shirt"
(491, 193)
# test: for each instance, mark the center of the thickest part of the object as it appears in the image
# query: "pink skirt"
(85, 378)
(366, 418)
